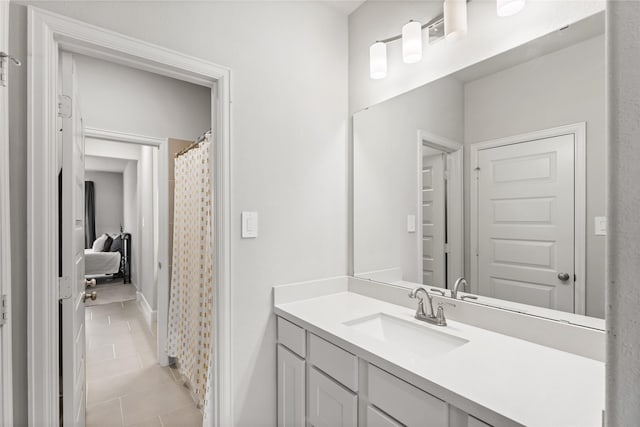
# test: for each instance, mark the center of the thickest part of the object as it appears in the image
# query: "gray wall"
(109, 200)
(289, 65)
(561, 88)
(115, 97)
(385, 146)
(623, 291)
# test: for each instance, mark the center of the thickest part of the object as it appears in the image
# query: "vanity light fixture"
(378, 60)
(509, 7)
(412, 42)
(455, 19)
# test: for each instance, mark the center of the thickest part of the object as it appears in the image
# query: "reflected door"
(526, 222)
(433, 221)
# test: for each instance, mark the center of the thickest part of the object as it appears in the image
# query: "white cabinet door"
(291, 389)
(376, 418)
(330, 404)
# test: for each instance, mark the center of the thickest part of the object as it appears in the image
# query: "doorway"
(53, 34)
(440, 210)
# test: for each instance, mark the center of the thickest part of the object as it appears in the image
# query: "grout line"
(121, 410)
(139, 360)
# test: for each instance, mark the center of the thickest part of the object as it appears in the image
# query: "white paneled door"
(433, 221)
(526, 222)
(72, 286)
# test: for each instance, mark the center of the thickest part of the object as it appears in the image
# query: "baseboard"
(150, 316)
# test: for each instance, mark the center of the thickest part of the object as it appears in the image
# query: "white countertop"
(526, 383)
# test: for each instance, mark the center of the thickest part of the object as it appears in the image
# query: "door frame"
(579, 131)
(162, 175)
(6, 361)
(455, 200)
(48, 34)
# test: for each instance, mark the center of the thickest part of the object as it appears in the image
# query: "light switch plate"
(411, 223)
(600, 225)
(249, 225)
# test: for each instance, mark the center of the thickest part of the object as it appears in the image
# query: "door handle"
(563, 276)
(93, 295)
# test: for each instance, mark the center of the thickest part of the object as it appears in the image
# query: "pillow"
(98, 245)
(107, 244)
(116, 245)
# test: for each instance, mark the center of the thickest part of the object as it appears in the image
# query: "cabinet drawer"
(339, 364)
(404, 402)
(292, 337)
(474, 422)
(330, 404)
(376, 418)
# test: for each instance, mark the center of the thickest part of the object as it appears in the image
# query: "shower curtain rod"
(195, 143)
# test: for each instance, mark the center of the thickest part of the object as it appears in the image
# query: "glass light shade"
(412, 42)
(378, 60)
(509, 7)
(455, 19)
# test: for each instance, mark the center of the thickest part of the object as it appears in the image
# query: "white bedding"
(98, 263)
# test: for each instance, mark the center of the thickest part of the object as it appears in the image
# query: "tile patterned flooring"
(125, 384)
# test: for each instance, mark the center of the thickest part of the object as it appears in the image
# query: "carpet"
(111, 291)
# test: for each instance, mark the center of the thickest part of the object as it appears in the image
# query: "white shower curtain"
(190, 339)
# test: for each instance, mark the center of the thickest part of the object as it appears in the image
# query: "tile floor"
(125, 384)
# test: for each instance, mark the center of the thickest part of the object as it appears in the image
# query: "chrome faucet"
(461, 281)
(430, 317)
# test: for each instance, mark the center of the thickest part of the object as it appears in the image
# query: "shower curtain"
(190, 338)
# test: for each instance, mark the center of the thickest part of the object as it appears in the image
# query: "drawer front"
(339, 364)
(330, 404)
(292, 337)
(404, 402)
(376, 418)
(474, 422)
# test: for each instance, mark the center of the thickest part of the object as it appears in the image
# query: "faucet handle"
(437, 291)
(440, 318)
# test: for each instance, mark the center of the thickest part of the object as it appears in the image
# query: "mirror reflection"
(495, 174)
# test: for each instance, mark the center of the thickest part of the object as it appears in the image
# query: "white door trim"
(6, 365)
(48, 33)
(163, 228)
(579, 130)
(455, 200)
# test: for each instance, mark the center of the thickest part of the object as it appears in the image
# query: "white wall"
(130, 195)
(488, 35)
(564, 87)
(115, 97)
(386, 161)
(289, 156)
(109, 199)
(623, 293)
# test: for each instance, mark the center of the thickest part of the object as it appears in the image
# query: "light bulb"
(509, 7)
(455, 19)
(412, 42)
(378, 60)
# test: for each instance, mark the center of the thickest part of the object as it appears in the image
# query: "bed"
(101, 263)
(116, 262)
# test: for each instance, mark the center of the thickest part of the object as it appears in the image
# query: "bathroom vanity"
(346, 359)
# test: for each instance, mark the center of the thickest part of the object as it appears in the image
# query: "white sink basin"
(421, 340)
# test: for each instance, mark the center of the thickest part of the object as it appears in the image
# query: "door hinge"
(4, 310)
(64, 287)
(446, 175)
(64, 106)
(4, 66)
(447, 248)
